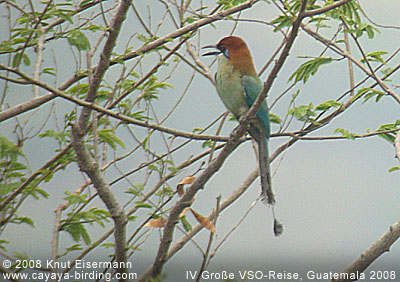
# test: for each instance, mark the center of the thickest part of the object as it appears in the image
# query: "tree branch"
(397, 145)
(85, 161)
(379, 247)
(315, 12)
(88, 165)
(104, 62)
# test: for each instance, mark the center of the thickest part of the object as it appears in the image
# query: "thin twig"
(206, 259)
(233, 229)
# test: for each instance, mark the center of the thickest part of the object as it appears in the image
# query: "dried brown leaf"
(185, 210)
(187, 180)
(204, 221)
(156, 223)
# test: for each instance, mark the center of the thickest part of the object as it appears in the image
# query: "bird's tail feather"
(267, 195)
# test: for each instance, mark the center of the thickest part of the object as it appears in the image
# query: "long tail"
(267, 195)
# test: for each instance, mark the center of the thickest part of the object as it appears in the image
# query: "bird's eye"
(221, 47)
(223, 50)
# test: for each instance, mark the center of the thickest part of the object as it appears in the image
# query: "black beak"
(213, 52)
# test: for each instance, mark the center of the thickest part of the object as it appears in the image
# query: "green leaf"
(138, 115)
(60, 136)
(24, 219)
(197, 130)
(208, 144)
(371, 92)
(345, 133)
(9, 150)
(85, 235)
(327, 105)
(375, 57)
(390, 137)
(136, 190)
(42, 192)
(65, 17)
(17, 60)
(2, 243)
(78, 232)
(84, 3)
(394, 168)
(186, 225)
(74, 198)
(132, 218)
(152, 87)
(303, 112)
(140, 204)
(26, 60)
(7, 188)
(108, 245)
(132, 191)
(166, 191)
(75, 247)
(107, 136)
(79, 89)
(274, 118)
(49, 71)
(370, 32)
(78, 39)
(281, 22)
(309, 68)
(227, 4)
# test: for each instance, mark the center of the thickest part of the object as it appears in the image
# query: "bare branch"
(104, 63)
(39, 59)
(378, 248)
(397, 145)
(88, 165)
(56, 236)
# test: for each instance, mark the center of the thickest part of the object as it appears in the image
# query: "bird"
(238, 85)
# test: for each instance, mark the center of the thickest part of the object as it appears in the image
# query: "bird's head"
(235, 50)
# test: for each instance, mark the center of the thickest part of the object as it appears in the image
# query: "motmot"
(238, 85)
